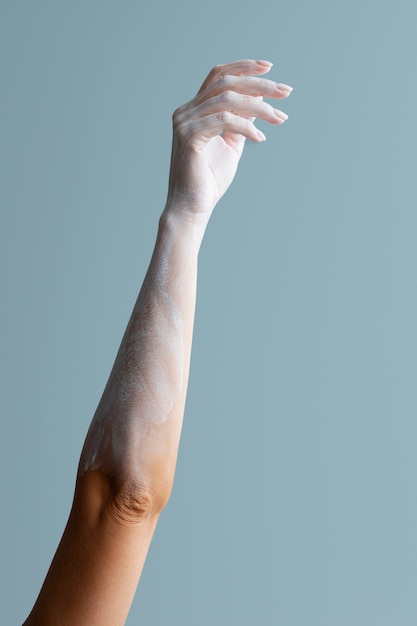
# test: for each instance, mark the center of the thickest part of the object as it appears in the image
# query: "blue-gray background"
(295, 496)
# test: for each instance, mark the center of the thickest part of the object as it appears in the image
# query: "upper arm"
(98, 563)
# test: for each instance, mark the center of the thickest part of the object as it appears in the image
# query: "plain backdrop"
(295, 495)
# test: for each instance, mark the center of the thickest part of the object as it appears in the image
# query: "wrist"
(182, 213)
(181, 225)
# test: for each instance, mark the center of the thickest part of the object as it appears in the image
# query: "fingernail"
(280, 115)
(284, 89)
(261, 136)
(265, 63)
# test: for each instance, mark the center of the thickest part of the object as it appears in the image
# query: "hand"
(210, 132)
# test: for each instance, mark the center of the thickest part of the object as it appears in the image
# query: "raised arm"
(127, 465)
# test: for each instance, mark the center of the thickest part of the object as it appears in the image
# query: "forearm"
(135, 432)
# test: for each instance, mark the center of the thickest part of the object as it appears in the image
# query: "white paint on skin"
(147, 377)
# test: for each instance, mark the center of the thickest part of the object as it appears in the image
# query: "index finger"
(237, 68)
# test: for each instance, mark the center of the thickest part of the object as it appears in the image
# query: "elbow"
(143, 493)
(137, 500)
(127, 494)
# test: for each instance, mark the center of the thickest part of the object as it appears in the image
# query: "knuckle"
(223, 82)
(176, 116)
(223, 117)
(227, 97)
(265, 84)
